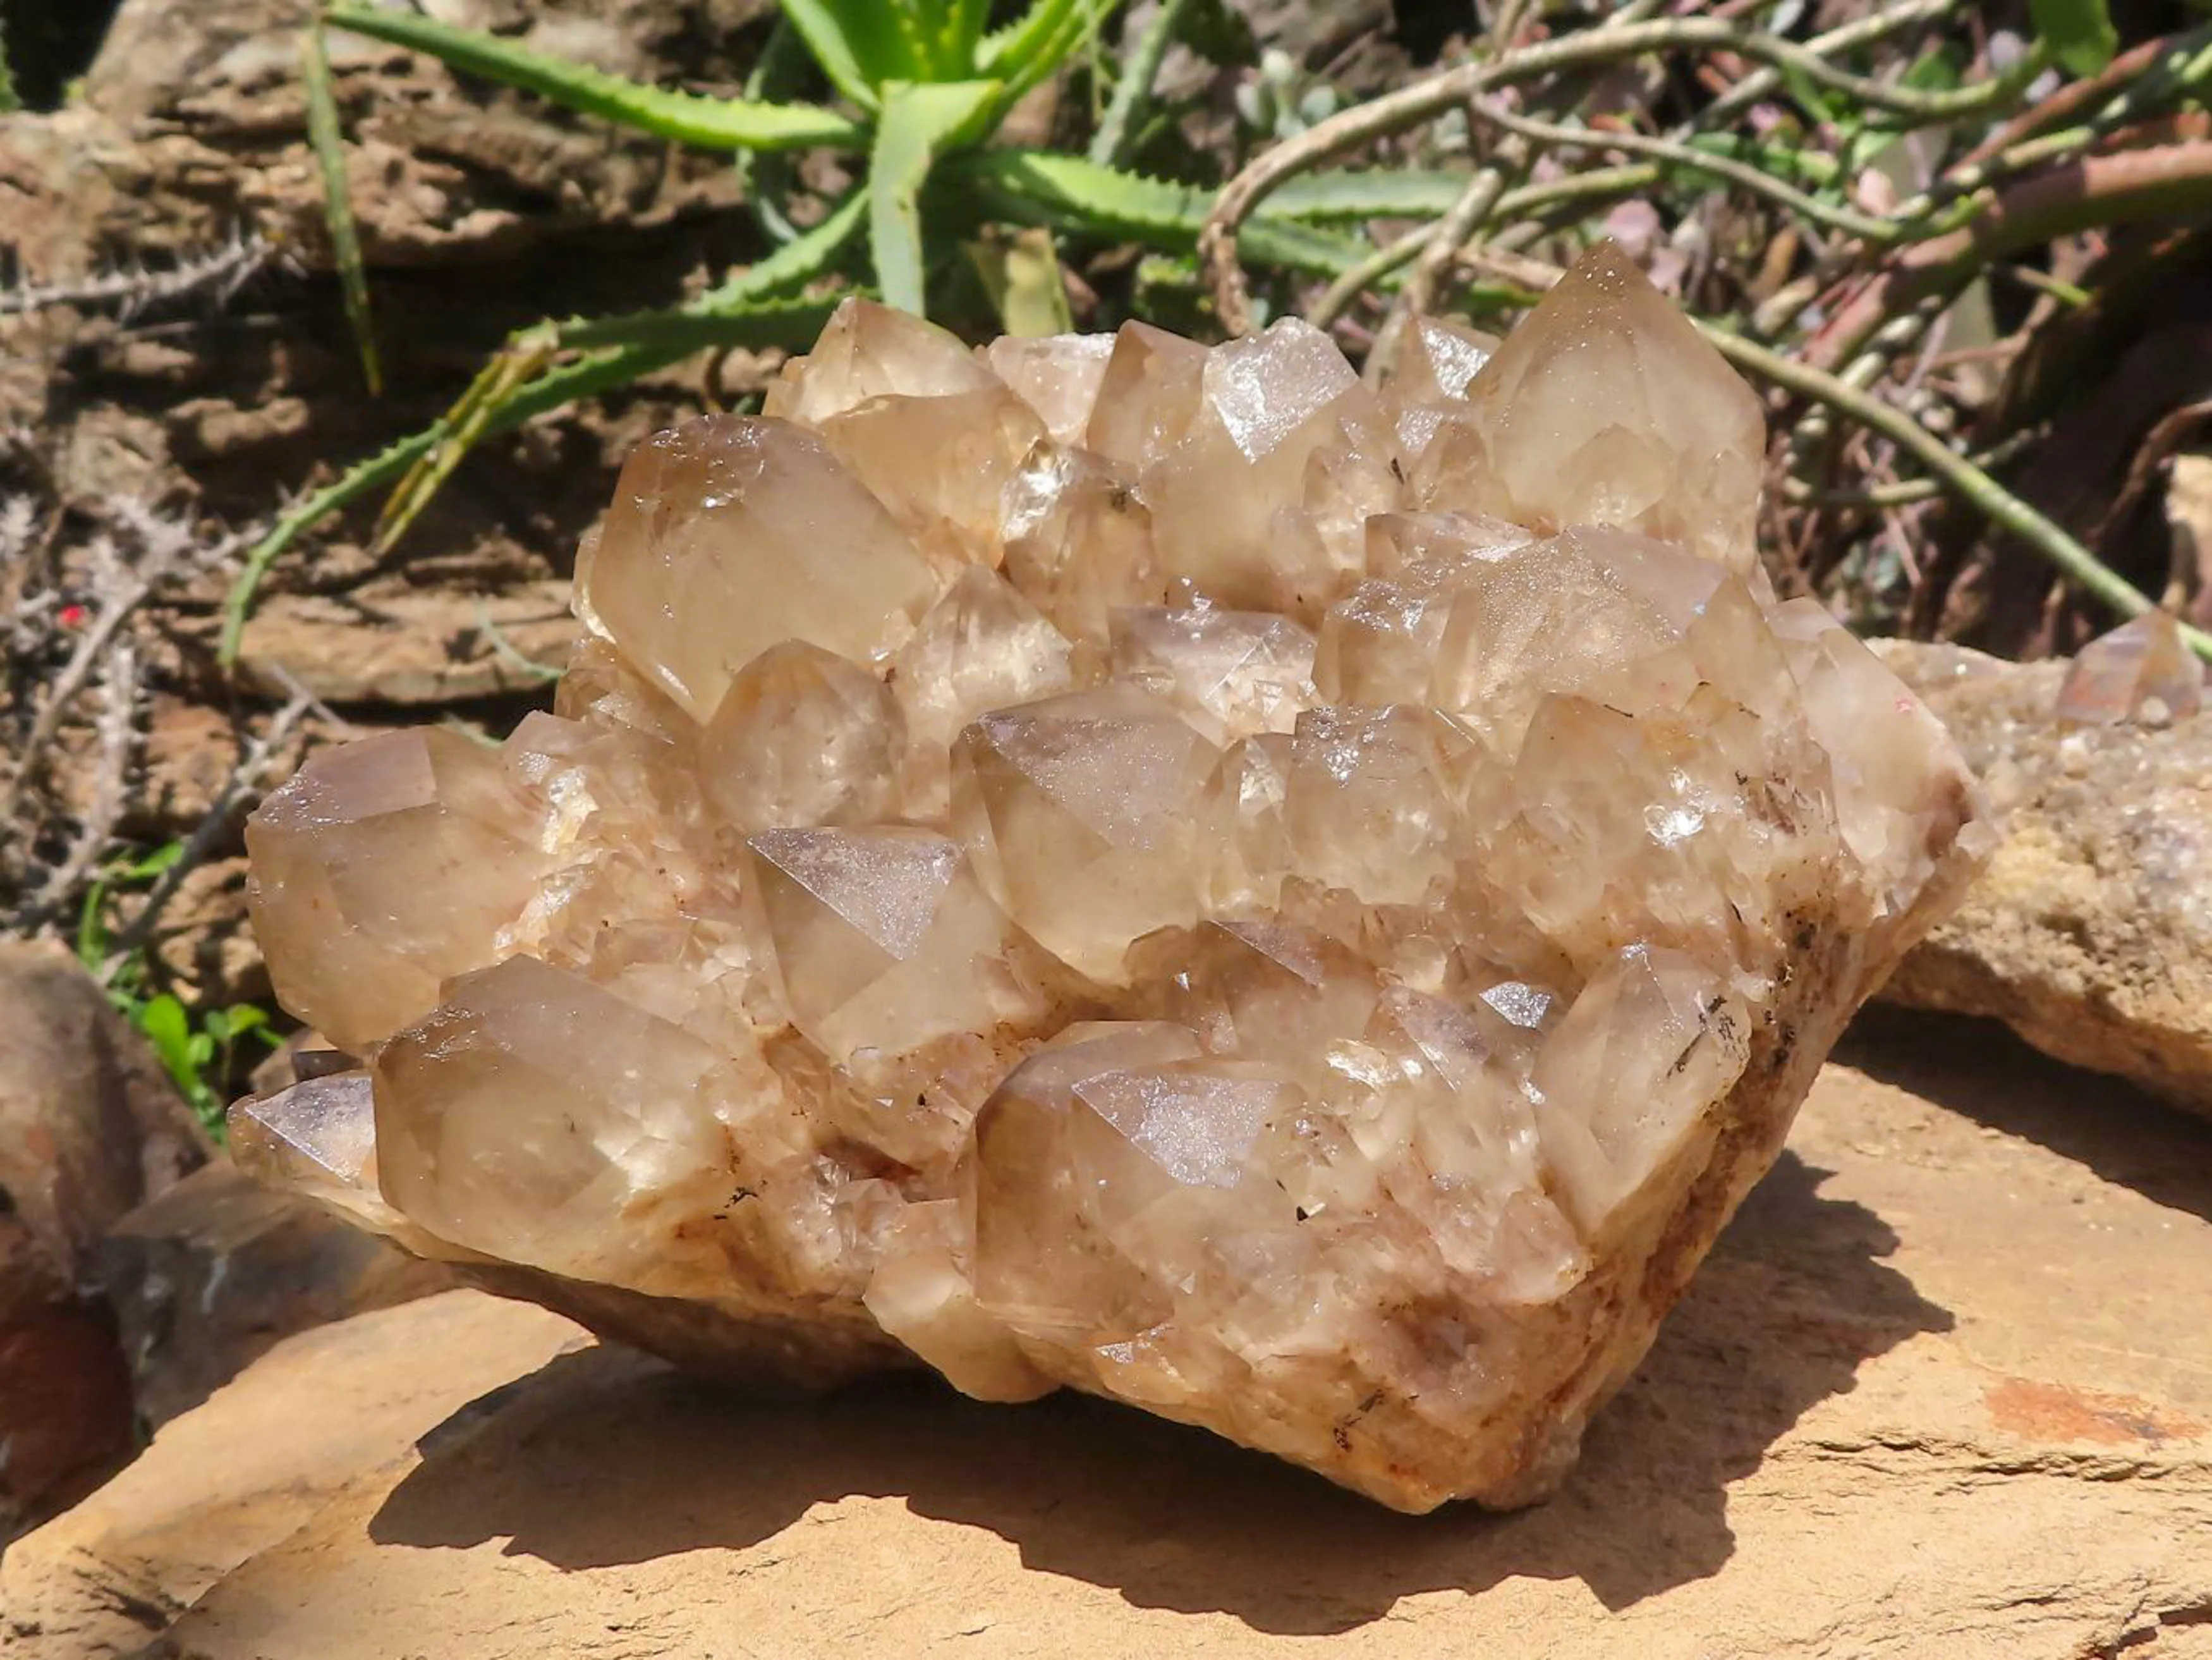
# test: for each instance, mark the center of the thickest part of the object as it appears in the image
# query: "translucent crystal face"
(1106, 862)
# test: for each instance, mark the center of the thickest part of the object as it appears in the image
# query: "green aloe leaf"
(1026, 70)
(585, 378)
(1374, 194)
(916, 23)
(1004, 50)
(1072, 194)
(858, 43)
(685, 118)
(1028, 289)
(525, 357)
(1027, 51)
(918, 124)
(959, 34)
(329, 146)
(1132, 87)
(791, 323)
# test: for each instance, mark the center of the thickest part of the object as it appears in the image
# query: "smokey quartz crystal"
(1110, 863)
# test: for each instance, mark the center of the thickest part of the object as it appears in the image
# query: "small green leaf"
(92, 928)
(167, 1028)
(1806, 94)
(1027, 286)
(857, 43)
(918, 124)
(242, 1018)
(328, 143)
(155, 863)
(1940, 69)
(2078, 34)
(686, 117)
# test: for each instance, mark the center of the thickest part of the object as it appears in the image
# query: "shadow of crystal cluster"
(1101, 861)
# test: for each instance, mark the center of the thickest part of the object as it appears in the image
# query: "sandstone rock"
(898, 946)
(210, 1274)
(225, 1483)
(180, 178)
(406, 646)
(88, 1127)
(2090, 933)
(1865, 1431)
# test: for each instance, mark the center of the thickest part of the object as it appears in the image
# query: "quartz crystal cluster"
(1107, 862)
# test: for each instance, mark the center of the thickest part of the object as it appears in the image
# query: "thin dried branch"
(115, 737)
(2163, 184)
(120, 586)
(1409, 107)
(215, 274)
(1683, 157)
(2158, 447)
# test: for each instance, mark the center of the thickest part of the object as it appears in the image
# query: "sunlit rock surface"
(1103, 862)
(2090, 930)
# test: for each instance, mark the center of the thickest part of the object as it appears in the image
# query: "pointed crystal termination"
(1077, 812)
(319, 1137)
(1106, 863)
(384, 868)
(877, 933)
(2144, 670)
(1229, 674)
(1607, 407)
(1282, 429)
(983, 646)
(729, 535)
(531, 1101)
(870, 351)
(801, 737)
(1058, 377)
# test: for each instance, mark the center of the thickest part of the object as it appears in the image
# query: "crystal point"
(765, 537)
(801, 737)
(1607, 407)
(1106, 863)
(2141, 669)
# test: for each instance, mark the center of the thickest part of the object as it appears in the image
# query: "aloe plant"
(915, 91)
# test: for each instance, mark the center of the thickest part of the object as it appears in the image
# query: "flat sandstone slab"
(1944, 1387)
